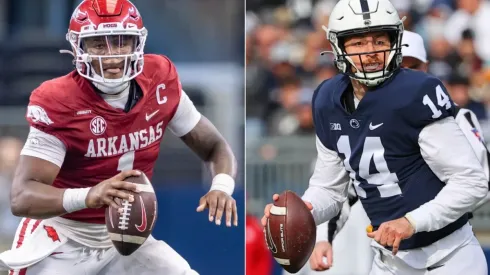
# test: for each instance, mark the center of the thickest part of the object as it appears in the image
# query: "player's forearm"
(207, 142)
(325, 207)
(453, 201)
(466, 183)
(328, 185)
(222, 160)
(222, 164)
(37, 200)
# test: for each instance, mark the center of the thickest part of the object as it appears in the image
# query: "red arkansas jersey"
(101, 140)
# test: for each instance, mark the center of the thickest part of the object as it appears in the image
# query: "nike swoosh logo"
(270, 243)
(142, 226)
(374, 127)
(149, 116)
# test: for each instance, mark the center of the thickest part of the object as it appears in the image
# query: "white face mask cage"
(133, 62)
(344, 61)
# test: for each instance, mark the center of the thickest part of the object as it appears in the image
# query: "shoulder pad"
(429, 102)
(160, 69)
(323, 102)
(323, 95)
(158, 64)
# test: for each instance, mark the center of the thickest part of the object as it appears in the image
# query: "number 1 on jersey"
(126, 162)
(385, 181)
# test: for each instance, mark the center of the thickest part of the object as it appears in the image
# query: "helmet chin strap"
(108, 87)
(111, 88)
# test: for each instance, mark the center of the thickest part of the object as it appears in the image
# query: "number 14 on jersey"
(386, 182)
(442, 101)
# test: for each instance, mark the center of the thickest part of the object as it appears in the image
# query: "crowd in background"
(9, 153)
(33, 32)
(285, 38)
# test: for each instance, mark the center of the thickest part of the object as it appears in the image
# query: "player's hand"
(105, 192)
(267, 209)
(219, 202)
(392, 233)
(322, 250)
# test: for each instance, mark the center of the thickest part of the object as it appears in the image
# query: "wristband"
(223, 182)
(74, 199)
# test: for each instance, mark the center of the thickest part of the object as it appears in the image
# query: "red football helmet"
(107, 29)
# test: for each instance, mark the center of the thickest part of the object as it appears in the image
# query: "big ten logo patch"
(335, 127)
(98, 125)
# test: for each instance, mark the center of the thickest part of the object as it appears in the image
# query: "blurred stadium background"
(283, 67)
(206, 41)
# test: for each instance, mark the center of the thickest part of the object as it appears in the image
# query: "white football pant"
(466, 260)
(41, 254)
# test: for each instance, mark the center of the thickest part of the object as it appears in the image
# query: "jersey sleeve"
(328, 185)
(471, 128)
(449, 155)
(44, 146)
(45, 113)
(185, 118)
(430, 102)
(170, 94)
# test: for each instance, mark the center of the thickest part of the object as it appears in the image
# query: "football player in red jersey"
(91, 129)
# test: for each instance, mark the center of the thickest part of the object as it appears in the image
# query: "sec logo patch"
(98, 125)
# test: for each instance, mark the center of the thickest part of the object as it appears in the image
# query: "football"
(130, 229)
(290, 232)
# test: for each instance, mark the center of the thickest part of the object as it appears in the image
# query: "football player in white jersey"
(414, 57)
(435, 250)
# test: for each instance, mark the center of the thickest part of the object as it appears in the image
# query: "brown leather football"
(130, 229)
(290, 232)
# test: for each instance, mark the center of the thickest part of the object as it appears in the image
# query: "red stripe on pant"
(23, 232)
(20, 241)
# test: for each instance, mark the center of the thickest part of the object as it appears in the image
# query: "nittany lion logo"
(38, 114)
